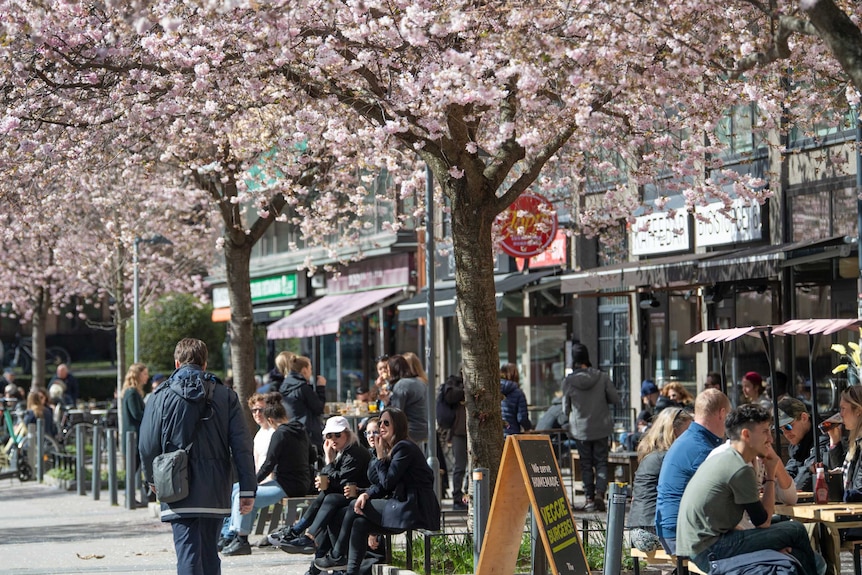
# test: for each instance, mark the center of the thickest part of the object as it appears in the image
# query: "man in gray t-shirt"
(724, 486)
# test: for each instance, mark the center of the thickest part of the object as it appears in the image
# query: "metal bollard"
(131, 452)
(481, 509)
(80, 469)
(538, 559)
(40, 449)
(616, 521)
(97, 462)
(112, 465)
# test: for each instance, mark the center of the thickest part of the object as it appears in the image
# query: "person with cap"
(649, 395)
(346, 472)
(587, 396)
(753, 390)
(284, 459)
(795, 423)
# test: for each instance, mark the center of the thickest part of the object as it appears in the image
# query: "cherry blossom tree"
(494, 98)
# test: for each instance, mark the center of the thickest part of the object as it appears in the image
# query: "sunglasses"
(371, 433)
(256, 409)
(333, 435)
(385, 423)
(787, 427)
(383, 357)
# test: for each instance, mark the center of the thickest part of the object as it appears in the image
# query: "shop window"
(823, 213)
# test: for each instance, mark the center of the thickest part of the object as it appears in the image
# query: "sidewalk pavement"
(46, 530)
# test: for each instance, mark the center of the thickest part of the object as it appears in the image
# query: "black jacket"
(351, 466)
(179, 416)
(406, 479)
(801, 457)
(304, 403)
(292, 473)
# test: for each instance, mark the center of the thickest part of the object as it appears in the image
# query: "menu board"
(530, 476)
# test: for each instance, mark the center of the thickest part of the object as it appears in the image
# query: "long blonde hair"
(36, 403)
(133, 377)
(853, 396)
(662, 434)
(415, 365)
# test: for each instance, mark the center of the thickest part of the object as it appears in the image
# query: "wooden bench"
(661, 557)
(626, 461)
(287, 510)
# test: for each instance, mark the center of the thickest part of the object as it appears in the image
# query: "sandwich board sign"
(529, 476)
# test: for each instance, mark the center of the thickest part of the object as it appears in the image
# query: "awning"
(655, 271)
(324, 316)
(815, 326)
(725, 335)
(444, 298)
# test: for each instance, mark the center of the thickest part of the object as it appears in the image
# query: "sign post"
(529, 476)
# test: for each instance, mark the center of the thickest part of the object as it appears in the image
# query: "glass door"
(538, 347)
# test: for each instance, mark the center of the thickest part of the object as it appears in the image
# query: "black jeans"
(353, 537)
(594, 466)
(330, 505)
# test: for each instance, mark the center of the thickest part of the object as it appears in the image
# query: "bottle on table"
(821, 488)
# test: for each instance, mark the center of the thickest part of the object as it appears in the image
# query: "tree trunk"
(40, 317)
(237, 255)
(473, 212)
(120, 342)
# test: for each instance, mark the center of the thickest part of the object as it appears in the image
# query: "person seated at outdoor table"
(684, 457)
(795, 423)
(285, 458)
(850, 409)
(408, 393)
(754, 390)
(346, 464)
(725, 486)
(666, 427)
(401, 497)
(38, 408)
(673, 394)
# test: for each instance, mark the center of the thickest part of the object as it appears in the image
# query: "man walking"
(684, 457)
(725, 486)
(192, 410)
(586, 395)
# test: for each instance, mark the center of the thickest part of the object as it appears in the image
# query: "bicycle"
(13, 457)
(20, 354)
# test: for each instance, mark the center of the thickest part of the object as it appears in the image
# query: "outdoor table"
(833, 516)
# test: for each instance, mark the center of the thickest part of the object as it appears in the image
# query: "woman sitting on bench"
(346, 472)
(402, 497)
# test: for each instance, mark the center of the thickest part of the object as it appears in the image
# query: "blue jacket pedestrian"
(516, 419)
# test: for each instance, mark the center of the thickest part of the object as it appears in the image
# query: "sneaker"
(282, 536)
(264, 542)
(600, 504)
(330, 563)
(225, 540)
(303, 545)
(590, 506)
(238, 546)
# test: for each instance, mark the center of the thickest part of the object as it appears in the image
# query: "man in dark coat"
(194, 411)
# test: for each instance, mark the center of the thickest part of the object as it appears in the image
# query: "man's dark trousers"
(593, 455)
(195, 540)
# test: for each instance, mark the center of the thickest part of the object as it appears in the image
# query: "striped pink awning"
(815, 326)
(727, 334)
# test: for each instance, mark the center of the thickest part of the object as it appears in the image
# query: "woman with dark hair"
(401, 497)
(408, 393)
(516, 419)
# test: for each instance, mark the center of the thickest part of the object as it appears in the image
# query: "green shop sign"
(274, 288)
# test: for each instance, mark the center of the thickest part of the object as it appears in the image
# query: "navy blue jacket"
(516, 419)
(408, 482)
(173, 419)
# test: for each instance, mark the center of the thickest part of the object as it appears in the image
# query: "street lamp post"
(156, 240)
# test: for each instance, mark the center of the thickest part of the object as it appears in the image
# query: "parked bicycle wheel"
(22, 362)
(56, 355)
(50, 447)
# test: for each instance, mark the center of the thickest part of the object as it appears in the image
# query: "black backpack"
(445, 412)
